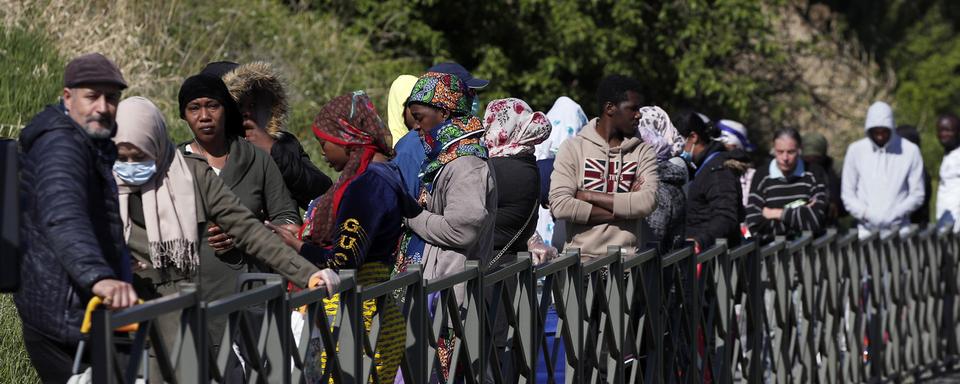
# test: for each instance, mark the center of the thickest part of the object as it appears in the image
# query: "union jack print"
(605, 176)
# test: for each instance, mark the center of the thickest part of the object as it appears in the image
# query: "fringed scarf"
(169, 199)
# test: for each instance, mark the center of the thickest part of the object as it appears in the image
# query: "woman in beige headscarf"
(166, 200)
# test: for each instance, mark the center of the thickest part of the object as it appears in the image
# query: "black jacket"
(70, 223)
(714, 197)
(518, 189)
(303, 179)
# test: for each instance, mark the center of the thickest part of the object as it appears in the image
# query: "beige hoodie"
(586, 162)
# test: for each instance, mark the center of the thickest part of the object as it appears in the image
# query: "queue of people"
(113, 208)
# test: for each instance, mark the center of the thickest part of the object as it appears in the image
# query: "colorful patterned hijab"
(456, 137)
(658, 131)
(513, 128)
(350, 121)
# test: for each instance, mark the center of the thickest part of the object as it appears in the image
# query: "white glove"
(540, 252)
(327, 279)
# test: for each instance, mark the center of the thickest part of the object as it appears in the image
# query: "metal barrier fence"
(832, 309)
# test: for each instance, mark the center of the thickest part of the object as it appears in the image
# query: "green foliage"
(32, 76)
(682, 51)
(928, 59)
(919, 41)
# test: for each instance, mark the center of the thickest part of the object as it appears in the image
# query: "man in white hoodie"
(604, 180)
(948, 192)
(882, 182)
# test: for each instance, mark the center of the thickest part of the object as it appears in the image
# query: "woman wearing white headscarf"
(668, 220)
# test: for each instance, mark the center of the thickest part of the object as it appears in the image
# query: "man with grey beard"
(73, 240)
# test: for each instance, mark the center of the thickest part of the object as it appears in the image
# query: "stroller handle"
(95, 302)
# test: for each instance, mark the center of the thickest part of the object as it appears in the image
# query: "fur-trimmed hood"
(259, 76)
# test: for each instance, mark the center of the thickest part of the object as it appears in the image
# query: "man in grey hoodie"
(605, 179)
(882, 182)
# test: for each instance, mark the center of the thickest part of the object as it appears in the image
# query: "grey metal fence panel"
(562, 288)
(831, 309)
(182, 364)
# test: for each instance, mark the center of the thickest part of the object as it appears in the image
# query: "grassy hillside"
(31, 73)
(156, 50)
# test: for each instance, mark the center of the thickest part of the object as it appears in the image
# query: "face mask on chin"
(135, 173)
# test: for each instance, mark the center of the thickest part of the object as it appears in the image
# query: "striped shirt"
(802, 195)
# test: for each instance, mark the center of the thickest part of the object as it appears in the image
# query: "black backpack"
(9, 217)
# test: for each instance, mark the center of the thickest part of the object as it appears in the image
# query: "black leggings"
(52, 359)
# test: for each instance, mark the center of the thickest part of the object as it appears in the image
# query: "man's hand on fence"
(116, 294)
(327, 279)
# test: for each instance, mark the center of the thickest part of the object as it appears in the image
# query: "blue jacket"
(71, 231)
(409, 158)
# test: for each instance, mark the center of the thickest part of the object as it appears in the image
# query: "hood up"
(259, 76)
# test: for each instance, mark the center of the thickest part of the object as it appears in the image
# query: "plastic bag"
(540, 252)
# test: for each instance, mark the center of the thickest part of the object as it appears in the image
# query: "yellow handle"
(314, 282)
(87, 317)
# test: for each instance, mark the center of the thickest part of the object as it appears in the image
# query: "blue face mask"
(475, 107)
(687, 156)
(135, 173)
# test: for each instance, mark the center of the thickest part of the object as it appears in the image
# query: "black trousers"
(52, 359)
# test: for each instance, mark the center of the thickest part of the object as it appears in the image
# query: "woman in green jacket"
(167, 199)
(216, 123)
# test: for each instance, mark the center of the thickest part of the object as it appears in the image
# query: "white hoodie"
(882, 186)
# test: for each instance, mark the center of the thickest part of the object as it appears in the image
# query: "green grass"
(31, 73)
(315, 52)
(14, 364)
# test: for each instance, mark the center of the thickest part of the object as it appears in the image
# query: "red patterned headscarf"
(352, 122)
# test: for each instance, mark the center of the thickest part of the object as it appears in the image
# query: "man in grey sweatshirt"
(882, 182)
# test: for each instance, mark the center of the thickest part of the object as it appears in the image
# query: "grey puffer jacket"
(70, 223)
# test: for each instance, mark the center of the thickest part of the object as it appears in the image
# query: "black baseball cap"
(461, 72)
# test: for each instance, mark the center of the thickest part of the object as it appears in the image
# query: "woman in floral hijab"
(457, 187)
(512, 131)
(667, 222)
